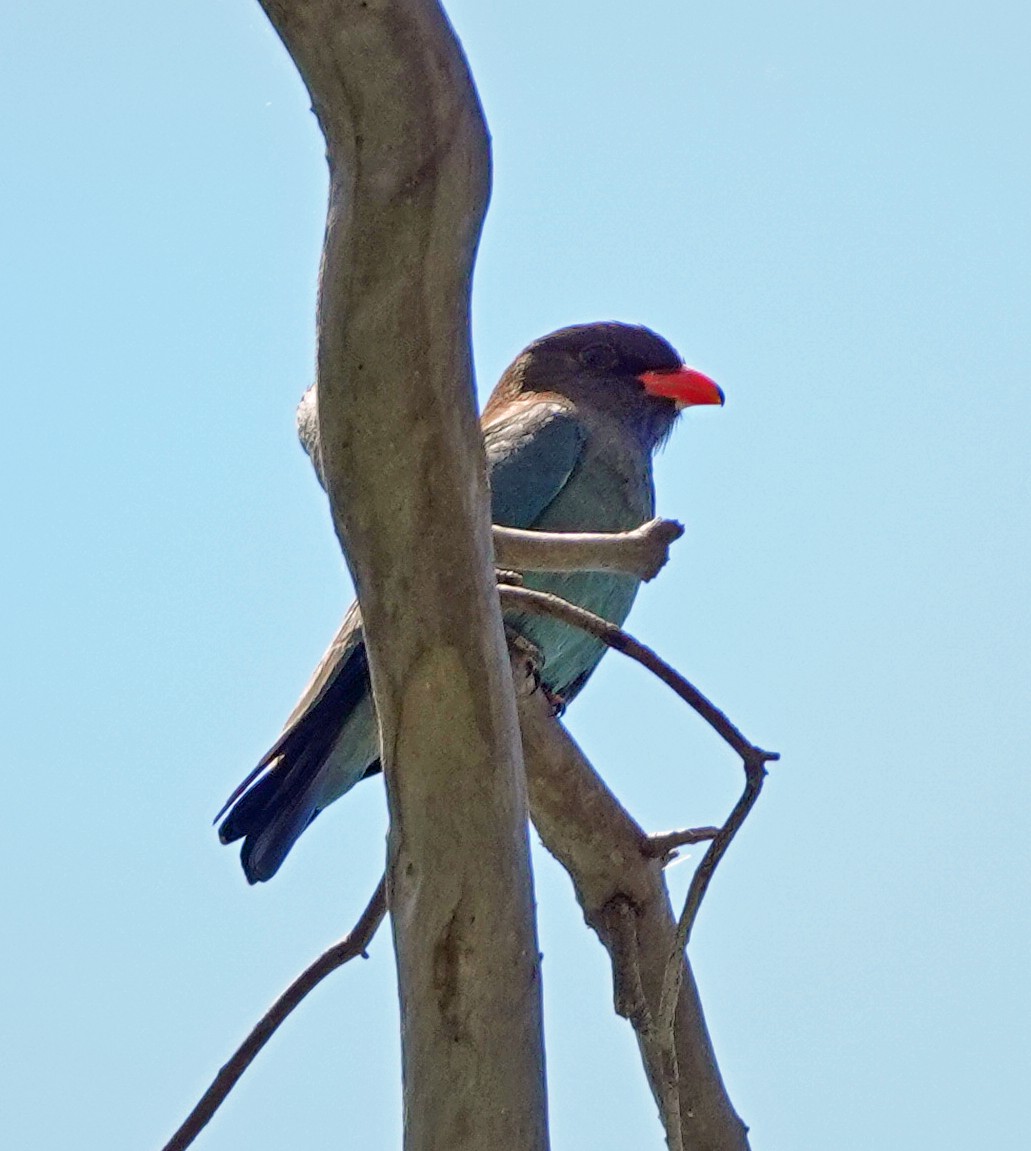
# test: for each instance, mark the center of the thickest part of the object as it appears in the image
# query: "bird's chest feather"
(610, 490)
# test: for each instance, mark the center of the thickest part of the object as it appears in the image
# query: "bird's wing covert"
(532, 450)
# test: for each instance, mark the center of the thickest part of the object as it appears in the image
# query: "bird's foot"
(527, 658)
(558, 703)
(530, 659)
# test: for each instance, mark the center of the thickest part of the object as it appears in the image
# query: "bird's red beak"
(685, 385)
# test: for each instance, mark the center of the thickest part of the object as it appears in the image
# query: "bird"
(569, 433)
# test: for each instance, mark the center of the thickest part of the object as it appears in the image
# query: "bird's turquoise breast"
(609, 491)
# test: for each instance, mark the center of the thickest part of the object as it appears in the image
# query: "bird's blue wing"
(532, 450)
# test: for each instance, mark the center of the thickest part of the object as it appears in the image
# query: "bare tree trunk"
(409, 162)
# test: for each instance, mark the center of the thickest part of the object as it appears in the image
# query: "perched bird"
(569, 433)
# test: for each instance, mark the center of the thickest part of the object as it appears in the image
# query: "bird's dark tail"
(298, 776)
(270, 817)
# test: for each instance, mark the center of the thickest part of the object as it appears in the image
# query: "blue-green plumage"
(583, 474)
(569, 434)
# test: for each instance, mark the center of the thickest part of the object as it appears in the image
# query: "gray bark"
(622, 891)
(409, 162)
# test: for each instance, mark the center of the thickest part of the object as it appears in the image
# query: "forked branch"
(664, 1011)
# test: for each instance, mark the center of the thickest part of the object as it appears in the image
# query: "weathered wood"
(622, 891)
(409, 164)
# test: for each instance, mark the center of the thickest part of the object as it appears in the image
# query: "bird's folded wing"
(342, 672)
(533, 447)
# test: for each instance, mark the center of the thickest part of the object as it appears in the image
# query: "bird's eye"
(599, 357)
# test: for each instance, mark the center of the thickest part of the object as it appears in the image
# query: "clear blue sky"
(825, 208)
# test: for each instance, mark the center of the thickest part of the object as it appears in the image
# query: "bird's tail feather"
(270, 817)
(284, 793)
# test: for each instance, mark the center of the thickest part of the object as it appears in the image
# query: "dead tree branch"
(755, 772)
(542, 603)
(663, 844)
(642, 552)
(622, 891)
(657, 1025)
(403, 460)
(350, 947)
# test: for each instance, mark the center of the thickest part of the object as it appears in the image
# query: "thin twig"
(632, 1004)
(755, 773)
(671, 1099)
(665, 843)
(543, 603)
(351, 946)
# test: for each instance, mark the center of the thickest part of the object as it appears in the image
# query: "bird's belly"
(570, 655)
(354, 749)
(608, 498)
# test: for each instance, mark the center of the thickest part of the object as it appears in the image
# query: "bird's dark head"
(622, 369)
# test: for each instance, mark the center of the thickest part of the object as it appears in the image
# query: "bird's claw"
(519, 647)
(529, 654)
(532, 659)
(558, 703)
